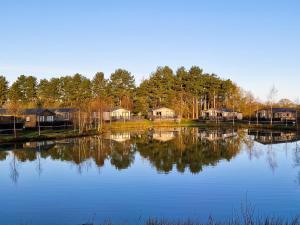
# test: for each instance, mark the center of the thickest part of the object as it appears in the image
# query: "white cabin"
(117, 113)
(163, 113)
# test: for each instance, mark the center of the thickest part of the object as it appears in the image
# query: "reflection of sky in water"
(48, 191)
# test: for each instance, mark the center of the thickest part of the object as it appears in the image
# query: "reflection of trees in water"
(25, 155)
(271, 158)
(187, 150)
(39, 168)
(14, 173)
(252, 150)
(297, 160)
(79, 151)
(3, 155)
(257, 152)
(122, 154)
(270, 139)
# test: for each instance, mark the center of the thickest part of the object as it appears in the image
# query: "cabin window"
(66, 116)
(49, 118)
(28, 119)
(41, 119)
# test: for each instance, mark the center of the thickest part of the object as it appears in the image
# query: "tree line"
(187, 91)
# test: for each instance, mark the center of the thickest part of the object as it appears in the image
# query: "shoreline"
(31, 136)
(47, 136)
(190, 123)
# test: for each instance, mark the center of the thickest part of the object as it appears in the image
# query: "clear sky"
(256, 43)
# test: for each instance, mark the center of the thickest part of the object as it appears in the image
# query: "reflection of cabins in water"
(39, 146)
(118, 137)
(164, 134)
(33, 146)
(215, 135)
(274, 137)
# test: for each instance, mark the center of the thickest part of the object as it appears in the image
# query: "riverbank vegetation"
(187, 91)
(249, 220)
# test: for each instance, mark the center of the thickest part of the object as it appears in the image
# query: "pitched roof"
(223, 110)
(162, 107)
(117, 108)
(36, 111)
(65, 110)
(276, 110)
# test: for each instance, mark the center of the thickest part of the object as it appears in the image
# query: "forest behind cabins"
(187, 91)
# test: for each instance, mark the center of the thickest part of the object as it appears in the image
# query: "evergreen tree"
(3, 90)
(122, 84)
(100, 86)
(49, 92)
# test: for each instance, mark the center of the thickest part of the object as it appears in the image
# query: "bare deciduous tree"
(271, 101)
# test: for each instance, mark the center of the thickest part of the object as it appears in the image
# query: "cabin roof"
(65, 110)
(161, 107)
(36, 111)
(117, 108)
(222, 110)
(275, 110)
(227, 110)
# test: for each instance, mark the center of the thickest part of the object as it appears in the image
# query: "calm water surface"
(165, 173)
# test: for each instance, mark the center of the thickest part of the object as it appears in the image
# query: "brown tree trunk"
(197, 108)
(15, 130)
(193, 111)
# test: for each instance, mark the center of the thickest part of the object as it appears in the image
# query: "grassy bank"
(146, 124)
(246, 215)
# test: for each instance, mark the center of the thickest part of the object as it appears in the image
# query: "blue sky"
(255, 43)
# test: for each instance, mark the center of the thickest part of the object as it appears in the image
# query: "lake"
(171, 173)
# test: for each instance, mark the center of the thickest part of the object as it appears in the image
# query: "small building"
(278, 114)
(162, 113)
(36, 116)
(117, 113)
(221, 114)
